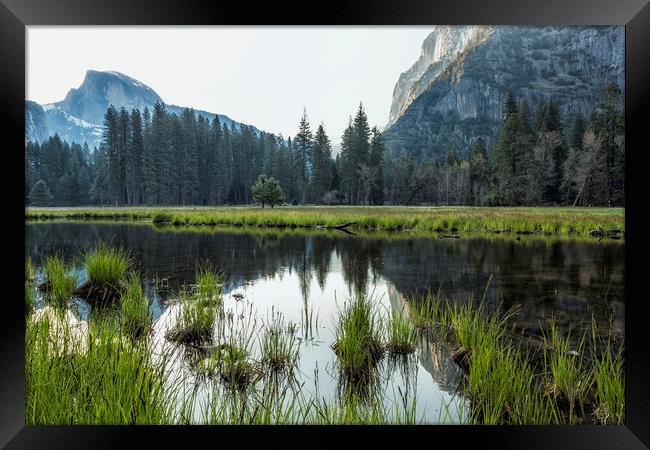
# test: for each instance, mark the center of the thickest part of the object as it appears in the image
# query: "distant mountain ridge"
(79, 116)
(455, 91)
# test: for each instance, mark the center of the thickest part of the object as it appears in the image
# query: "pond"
(307, 276)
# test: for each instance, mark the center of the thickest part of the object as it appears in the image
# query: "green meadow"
(558, 221)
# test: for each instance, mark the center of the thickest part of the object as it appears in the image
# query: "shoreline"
(595, 223)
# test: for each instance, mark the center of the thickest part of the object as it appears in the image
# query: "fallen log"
(336, 227)
(448, 236)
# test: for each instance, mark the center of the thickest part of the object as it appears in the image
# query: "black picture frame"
(15, 15)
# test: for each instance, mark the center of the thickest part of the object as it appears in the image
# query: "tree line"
(539, 157)
(155, 157)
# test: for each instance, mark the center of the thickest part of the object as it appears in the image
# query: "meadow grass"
(199, 308)
(401, 335)
(543, 220)
(505, 387)
(570, 380)
(60, 282)
(208, 283)
(608, 380)
(289, 406)
(358, 338)
(195, 322)
(136, 319)
(102, 379)
(100, 375)
(106, 266)
(279, 347)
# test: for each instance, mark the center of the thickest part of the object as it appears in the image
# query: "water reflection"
(307, 277)
(569, 279)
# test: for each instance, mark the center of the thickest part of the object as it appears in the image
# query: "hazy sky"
(258, 75)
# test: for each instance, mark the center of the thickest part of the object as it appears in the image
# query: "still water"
(312, 274)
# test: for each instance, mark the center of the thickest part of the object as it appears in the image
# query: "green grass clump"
(199, 308)
(106, 266)
(358, 339)
(428, 313)
(506, 384)
(59, 283)
(99, 379)
(135, 316)
(161, 217)
(208, 284)
(195, 322)
(234, 366)
(570, 380)
(609, 385)
(401, 335)
(279, 347)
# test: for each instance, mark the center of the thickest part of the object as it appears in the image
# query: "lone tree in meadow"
(267, 190)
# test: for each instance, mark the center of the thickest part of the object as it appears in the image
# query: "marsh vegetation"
(202, 350)
(599, 222)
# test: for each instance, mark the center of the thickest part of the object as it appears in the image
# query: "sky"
(262, 76)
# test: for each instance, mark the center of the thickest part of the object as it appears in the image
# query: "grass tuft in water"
(195, 321)
(92, 376)
(136, 319)
(358, 339)
(106, 266)
(401, 335)
(608, 380)
(209, 283)
(60, 282)
(570, 380)
(279, 347)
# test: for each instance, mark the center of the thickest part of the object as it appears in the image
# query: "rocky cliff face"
(80, 116)
(456, 90)
(99, 90)
(35, 125)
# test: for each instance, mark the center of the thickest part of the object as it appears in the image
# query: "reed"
(194, 322)
(101, 379)
(401, 335)
(358, 339)
(60, 281)
(105, 265)
(136, 319)
(279, 347)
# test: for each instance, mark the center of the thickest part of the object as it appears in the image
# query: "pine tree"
(347, 171)
(553, 123)
(608, 122)
(216, 164)
(124, 196)
(267, 191)
(110, 141)
(149, 166)
(360, 149)
(40, 194)
(320, 164)
(376, 163)
(513, 157)
(135, 158)
(303, 142)
(162, 155)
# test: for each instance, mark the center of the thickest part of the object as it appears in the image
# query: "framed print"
(399, 219)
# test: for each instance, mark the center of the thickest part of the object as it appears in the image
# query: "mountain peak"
(454, 92)
(100, 89)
